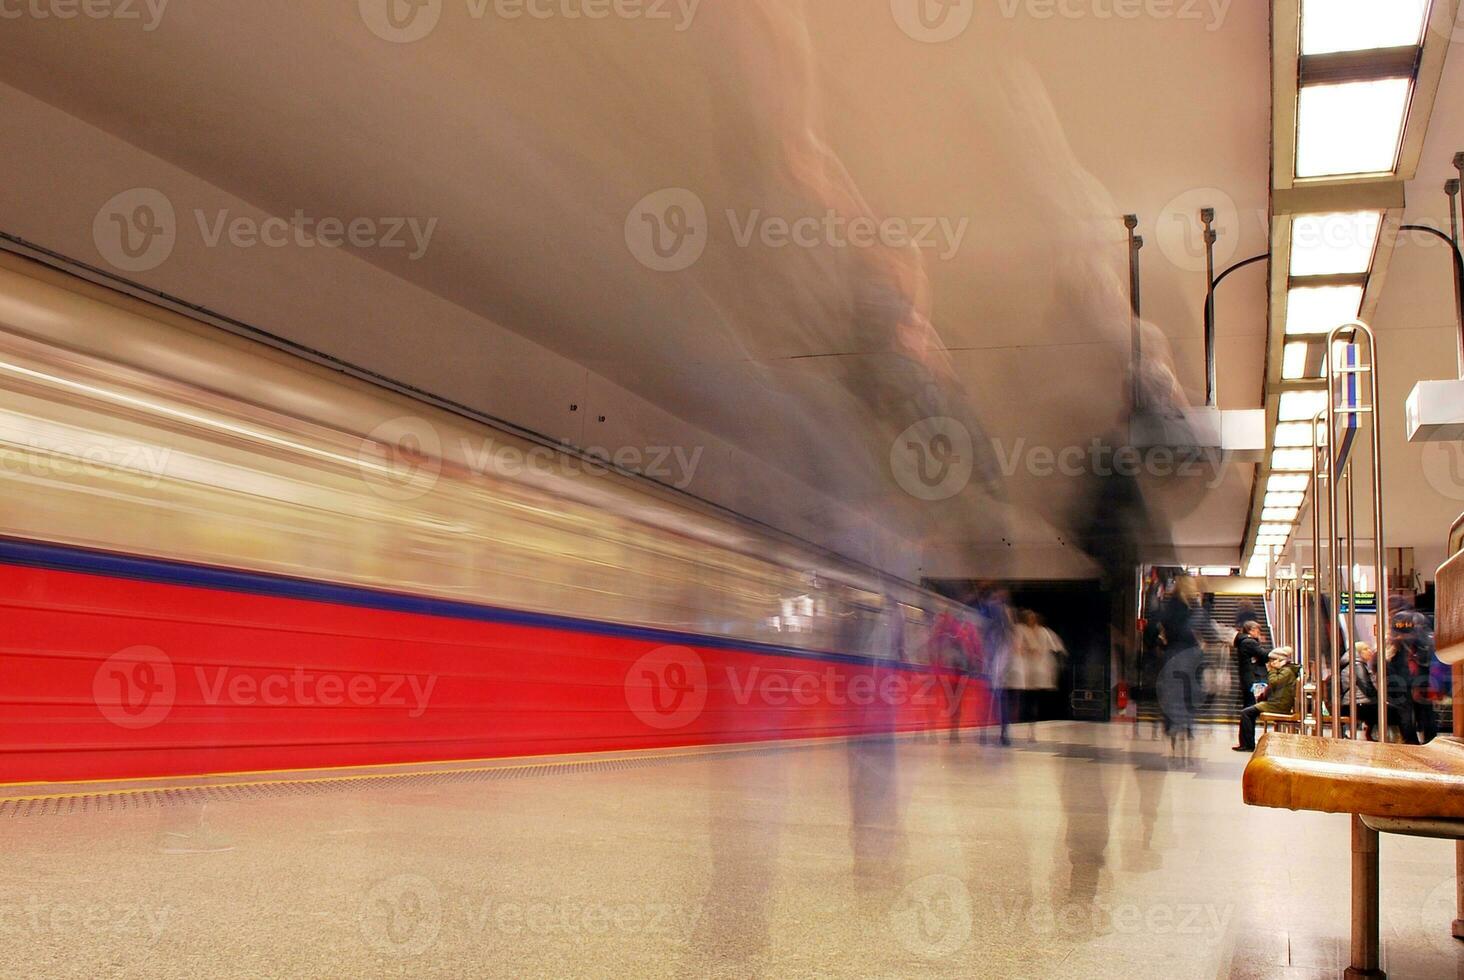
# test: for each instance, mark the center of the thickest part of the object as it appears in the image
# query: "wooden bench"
(1402, 789)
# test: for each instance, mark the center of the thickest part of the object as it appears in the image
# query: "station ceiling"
(542, 149)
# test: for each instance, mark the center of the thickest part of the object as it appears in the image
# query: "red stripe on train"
(108, 678)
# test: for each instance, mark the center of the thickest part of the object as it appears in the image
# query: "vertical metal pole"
(1303, 626)
(1459, 846)
(1314, 642)
(1212, 394)
(1136, 342)
(1334, 624)
(1352, 597)
(1380, 554)
(1367, 944)
(1451, 188)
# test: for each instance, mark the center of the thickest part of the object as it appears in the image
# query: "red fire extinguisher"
(1123, 697)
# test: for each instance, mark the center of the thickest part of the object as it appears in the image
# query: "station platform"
(1081, 850)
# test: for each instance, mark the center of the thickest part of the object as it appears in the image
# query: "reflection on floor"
(1084, 853)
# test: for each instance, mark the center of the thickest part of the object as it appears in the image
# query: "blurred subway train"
(220, 556)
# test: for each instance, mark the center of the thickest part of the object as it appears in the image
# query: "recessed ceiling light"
(1350, 128)
(1302, 406)
(1283, 515)
(1289, 500)
(1334, 244)
(1358, 25)
(1321, 309)
(1291, 434)
(1293, 364)
(1288, 483)
(1292, 460)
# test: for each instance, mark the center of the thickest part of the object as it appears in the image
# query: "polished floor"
(1086, 852)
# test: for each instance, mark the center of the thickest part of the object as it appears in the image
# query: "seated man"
(1280, 699)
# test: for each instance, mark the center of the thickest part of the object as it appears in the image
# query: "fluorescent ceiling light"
(1291, 434)
(1359, 25)
(1283, 515)
(1288, 483)
(1293, 365)
(1340, 243)
(1217, 570)
(1295, 460)
(1321, 309)
(1291, 501)
(1277, 541)
(1302, 406)
(1272, 530)
(1350, 128)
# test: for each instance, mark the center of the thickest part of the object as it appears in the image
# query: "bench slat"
(1304, 772)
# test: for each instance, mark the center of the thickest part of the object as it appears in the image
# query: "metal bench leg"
(1366, 931)
(1459, 886)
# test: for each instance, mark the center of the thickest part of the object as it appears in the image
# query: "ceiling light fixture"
(1321, 309)
(1302, 406)
(1350, 128)
(1328, 26)
(1340, 243)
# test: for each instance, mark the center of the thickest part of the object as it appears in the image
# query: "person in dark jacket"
(1250, 660)
(1360, 668)
(1281, 675)
(1410, 696)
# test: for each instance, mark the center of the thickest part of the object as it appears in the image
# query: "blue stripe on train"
(87, 561)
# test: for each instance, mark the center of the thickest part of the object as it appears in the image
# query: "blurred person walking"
(1410, 662)
(1179, 674)
(996, 632)
(1056, 654)
(1032, 671)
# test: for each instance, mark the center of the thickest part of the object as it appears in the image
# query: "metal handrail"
(1336, 466)
(1456, 536)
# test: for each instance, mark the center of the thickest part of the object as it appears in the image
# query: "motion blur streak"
(266, 532)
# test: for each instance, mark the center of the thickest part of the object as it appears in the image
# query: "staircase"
(1222, 707)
